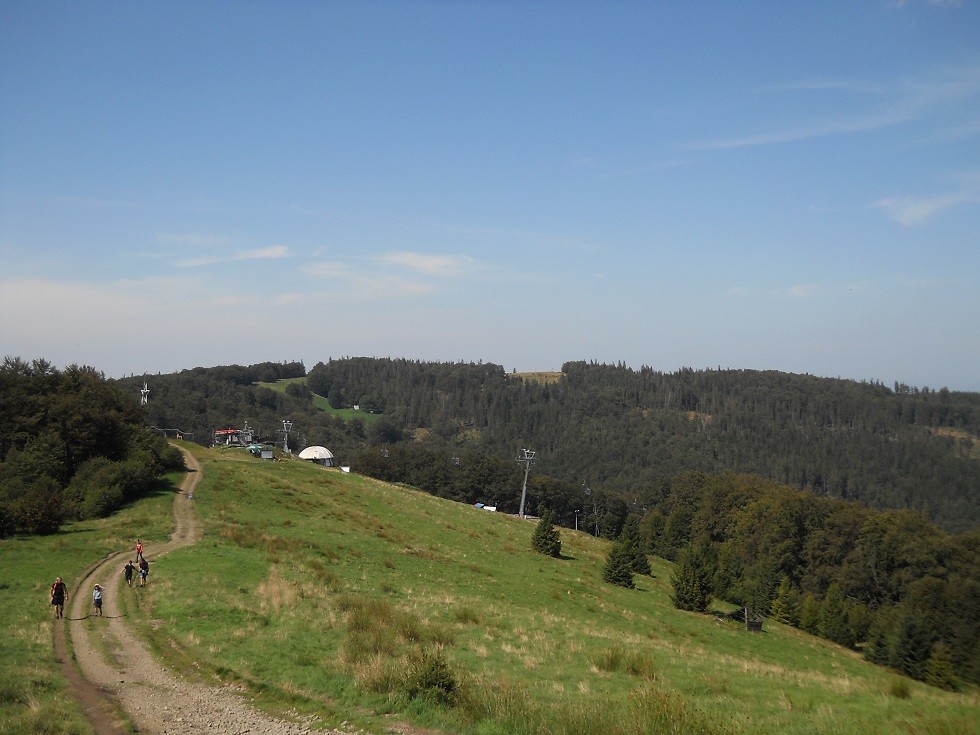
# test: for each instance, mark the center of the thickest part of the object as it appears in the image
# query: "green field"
(345, 597)
(323, 404)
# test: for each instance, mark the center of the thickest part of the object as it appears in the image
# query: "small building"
(318, 455)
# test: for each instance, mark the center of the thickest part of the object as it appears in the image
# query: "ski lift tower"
(286, 427)
(526, 458)
(144, 394)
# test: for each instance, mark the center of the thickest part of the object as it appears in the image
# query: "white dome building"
(319, 455)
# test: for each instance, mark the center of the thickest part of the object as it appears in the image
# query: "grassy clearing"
(543, 377)
(323, 404)
(34, 696)
(344, 596)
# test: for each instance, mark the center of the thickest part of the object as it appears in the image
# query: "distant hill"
(610, 426)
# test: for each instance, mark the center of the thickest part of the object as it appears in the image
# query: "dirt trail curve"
(116, 664)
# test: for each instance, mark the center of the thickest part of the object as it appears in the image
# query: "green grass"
(345, 597)
(34, 696)
(325, 592)
(323, 404)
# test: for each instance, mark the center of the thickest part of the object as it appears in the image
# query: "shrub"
(433, 679)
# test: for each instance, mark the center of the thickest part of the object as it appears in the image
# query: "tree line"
(72, 445)
(621, 428)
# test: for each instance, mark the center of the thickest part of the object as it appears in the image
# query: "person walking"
(97, 599)
(128, 572)
(144, 571)
(59, 593)
(139, 549)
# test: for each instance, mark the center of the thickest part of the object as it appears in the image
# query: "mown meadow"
(334, 595)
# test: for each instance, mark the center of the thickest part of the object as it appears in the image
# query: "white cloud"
(432, 265)
(271, 252)
(914, 210)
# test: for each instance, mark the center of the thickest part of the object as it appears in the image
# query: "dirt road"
(118, 672)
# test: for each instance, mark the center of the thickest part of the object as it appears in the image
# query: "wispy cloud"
(272, 252)
(384, 277)
(912, 210)
(358, 284)
(884, 106)
(432, 265)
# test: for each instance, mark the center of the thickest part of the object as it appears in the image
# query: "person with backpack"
(59, 593)
(144, 571)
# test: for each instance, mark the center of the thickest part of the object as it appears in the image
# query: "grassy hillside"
(336, 594)
(33, 694)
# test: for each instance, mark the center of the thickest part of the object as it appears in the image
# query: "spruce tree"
(619, 566)
(810, 614)
(691, 579)
(909, 646)
(632, 539)
(785, 608)
(939, 668)
(832, 622)
(546, 538)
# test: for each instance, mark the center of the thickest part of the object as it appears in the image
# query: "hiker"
(144, 570)
(139, 549)
(128, 572)
(97, 599)
(59, 593)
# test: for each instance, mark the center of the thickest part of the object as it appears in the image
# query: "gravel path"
(115, 663)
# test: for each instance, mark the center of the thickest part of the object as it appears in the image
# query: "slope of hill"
(335, 594)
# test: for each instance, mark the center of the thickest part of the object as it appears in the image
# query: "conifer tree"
(909, 646)
(632, 539)
(691, 579)
(619, 566)
(546, 538)
(939, 668)
(810, 614)
(785, 608)
(832, 621)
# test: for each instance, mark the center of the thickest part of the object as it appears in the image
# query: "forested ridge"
(620, 428)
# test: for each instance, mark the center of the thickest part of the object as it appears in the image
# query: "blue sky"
(757, 185)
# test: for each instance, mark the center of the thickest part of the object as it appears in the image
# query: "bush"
(433, 679)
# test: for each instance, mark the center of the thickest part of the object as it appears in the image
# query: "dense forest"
(625, 429)
(72, 445)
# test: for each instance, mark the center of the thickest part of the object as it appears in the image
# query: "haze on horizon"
(754, 185)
